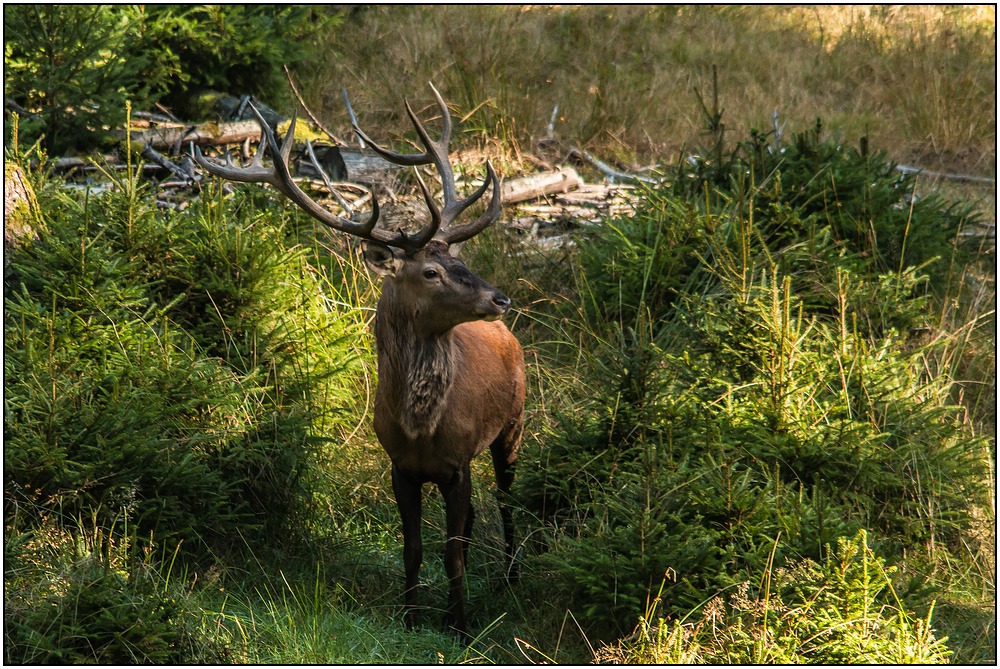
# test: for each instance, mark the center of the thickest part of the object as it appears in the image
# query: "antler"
(279, 176)
(442, 220)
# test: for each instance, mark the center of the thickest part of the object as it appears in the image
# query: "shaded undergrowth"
(758, 423)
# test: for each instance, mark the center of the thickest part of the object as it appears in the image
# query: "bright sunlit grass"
(919, 81)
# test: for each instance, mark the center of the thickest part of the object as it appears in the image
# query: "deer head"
(419, 266)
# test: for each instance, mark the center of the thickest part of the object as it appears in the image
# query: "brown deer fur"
(451, 384)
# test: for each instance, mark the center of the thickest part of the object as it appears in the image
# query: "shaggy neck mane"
(414, 370)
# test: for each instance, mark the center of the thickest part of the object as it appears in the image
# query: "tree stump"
(20, 209)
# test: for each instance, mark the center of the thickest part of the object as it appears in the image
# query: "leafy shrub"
(188, 397)
(849, 204)
(841, 611)
(823, 407)
(773, 387)
(76, 66)
(136, 423)
(816, 203)
(96, 600)
(238, 49)
(646, 259)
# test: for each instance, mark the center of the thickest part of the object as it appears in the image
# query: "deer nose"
(501, 301)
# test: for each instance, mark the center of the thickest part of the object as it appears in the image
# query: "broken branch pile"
(542, 206)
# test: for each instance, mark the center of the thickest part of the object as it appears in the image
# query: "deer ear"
(381, 259)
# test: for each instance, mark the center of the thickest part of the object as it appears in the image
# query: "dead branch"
(326, 180)
(9, 103)
(153, 118)
(312, 117)
(87, 164)
(167, 112)
(906, 169)
(150, 154)
(606, 169)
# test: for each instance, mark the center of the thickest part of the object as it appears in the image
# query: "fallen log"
(596, 195)
(537, 185)
(206, 134)
(345, 163)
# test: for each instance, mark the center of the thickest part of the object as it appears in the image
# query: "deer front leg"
(408, 500)
(459, 516)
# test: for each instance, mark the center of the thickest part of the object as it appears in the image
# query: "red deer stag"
(450, 374)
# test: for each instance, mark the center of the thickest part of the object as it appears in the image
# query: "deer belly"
(432, 458)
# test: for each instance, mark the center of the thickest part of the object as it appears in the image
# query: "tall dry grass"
(919, 81)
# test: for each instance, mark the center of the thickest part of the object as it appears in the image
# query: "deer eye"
(430, 273)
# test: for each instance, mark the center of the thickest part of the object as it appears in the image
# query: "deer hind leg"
(459, 516)
(408, 499)
(505, 451)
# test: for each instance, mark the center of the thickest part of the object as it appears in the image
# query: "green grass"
(854, 616)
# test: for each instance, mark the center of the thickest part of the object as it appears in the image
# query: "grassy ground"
(918, 81)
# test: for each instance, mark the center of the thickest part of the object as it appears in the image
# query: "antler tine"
(405, 159)
(258, 155)
(428, 232)
(445, 118)
(439, 154)
(460, 233)
(279, 154)
(453, 207)
(256, 172)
